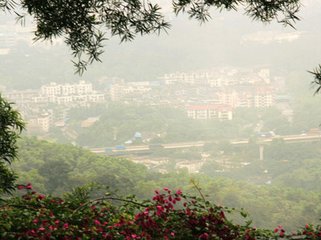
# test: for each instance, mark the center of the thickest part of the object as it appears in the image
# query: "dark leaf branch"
(7, 5)
(11, 125)
(85, 23)
(317, 78)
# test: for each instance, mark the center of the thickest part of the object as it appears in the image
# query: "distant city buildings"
(204, 95)
(38, 106)
(215, 94)
(120, 91)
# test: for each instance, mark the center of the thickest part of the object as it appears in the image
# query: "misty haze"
(223, 110)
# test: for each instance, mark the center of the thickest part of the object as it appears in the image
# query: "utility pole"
(261, 150)
(115, 133)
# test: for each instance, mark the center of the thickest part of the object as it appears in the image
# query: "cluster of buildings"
(203, 95)
(48, 106)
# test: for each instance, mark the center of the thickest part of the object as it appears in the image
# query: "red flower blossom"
(97, 222)
(166, 189)
(40, 196)
(204, 236)
(281, 234)
(19, 187)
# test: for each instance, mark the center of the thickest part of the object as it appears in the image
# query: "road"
(135, 148)
(286, 138)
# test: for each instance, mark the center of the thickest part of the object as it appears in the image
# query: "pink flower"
(29, 186)
(41, 197)
(52, 227)
(179, 192)
(19, 187)
(97, 222)
(41, 229)
(203, 236)
(66, 226)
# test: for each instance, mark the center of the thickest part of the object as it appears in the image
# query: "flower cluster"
(279, 231)
(310, 232)
(169, 215)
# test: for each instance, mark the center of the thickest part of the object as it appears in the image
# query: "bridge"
(260, 141)
(137, 148)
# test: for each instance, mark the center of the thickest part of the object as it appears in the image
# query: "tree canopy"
(86, 24)
(11, 126)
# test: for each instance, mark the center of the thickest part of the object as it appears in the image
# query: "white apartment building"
(119, 91)
(263, 99)
(79, 93)
(54, 89)
(205, 112)
(21, 96)
(41, 122)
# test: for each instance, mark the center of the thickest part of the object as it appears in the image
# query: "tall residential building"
(205, 112)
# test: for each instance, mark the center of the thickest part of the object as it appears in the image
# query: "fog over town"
(228, 102)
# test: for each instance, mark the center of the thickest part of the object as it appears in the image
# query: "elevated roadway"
(138, 148)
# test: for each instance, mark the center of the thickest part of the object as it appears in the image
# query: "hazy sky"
(228, 39)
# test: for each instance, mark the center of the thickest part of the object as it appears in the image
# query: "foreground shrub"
(169, 215)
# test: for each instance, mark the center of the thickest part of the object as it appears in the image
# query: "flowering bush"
(169, 215)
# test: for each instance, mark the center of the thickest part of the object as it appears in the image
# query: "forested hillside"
(54, 168)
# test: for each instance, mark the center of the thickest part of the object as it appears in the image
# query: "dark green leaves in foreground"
(317, 78)
(11, 126)
(84, 24)
(284, 11)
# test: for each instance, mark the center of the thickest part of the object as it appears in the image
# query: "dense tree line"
(55, 169)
